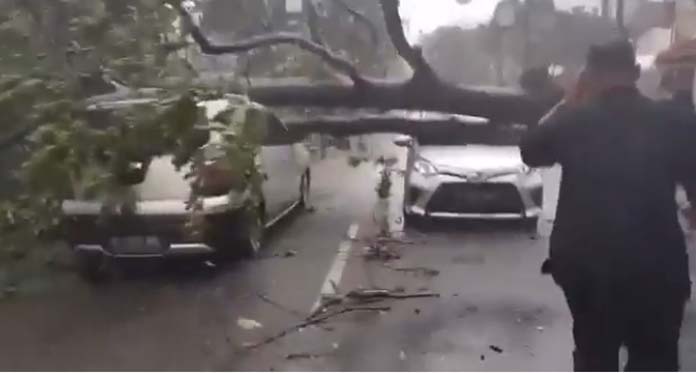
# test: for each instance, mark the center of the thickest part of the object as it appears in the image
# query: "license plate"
(136, 244)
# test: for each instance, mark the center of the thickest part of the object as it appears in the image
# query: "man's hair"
(615, 56)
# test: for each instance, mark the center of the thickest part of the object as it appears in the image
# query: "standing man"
(617, 249)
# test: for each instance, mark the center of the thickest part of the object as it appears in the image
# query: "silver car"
(156, 226)
(446, 178)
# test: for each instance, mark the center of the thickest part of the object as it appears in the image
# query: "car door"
(281, 177)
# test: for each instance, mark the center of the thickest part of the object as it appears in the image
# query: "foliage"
(59, 52)
(76, 159)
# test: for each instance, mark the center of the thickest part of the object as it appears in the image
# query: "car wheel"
(92, 267)
(251, 234)
(305, 188)
(413, 220)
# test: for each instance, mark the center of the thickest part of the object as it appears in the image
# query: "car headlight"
(424, 167)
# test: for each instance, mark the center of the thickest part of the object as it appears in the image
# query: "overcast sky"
(424, 16)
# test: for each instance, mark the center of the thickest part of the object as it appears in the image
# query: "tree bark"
(426, 96)
(442, 129)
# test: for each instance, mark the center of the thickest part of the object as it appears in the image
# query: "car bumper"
(174, 250)
(156, 229)
(528, 214)
(520, 197)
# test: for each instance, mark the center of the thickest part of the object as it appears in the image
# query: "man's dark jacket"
(622, 156)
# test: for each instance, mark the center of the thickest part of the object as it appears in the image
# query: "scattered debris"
(472, 309)
(483, 357)
(313, 320)
(369, 293)
(400, 289)
(423, 271)
(496, 349)
(417, 311)
(311, 209)
(302, 356)
(402, 355)
(381, 293)
(540, 328)
(10, 290)
(335, 345)
(380, 252)
(455, 294)
(248, 324)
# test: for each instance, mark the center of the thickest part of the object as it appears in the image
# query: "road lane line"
(337, 267)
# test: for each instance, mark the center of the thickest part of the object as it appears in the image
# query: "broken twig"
(386, 294)
(279, 306)
(313, 321)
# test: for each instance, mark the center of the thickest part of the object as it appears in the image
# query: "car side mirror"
(403, 141)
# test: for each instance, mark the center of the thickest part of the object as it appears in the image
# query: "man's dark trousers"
(642, 312)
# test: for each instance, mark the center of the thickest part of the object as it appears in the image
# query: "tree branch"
(339, 63)
(412, 55)
(313, 22)
(374, 35)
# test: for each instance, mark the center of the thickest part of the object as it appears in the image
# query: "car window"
(479, 135)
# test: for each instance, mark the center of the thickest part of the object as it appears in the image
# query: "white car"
(156, 227)
(451, 179)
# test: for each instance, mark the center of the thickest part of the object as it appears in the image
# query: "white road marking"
(337, 267)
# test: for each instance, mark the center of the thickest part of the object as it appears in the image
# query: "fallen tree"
(442, 129)
(424, 91)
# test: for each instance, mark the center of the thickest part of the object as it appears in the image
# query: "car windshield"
(475, 135)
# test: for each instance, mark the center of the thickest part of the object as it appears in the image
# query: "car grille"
(470, 198)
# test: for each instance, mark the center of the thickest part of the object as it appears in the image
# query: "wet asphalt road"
(495, 311)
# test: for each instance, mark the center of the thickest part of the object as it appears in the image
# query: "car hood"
(474, 158)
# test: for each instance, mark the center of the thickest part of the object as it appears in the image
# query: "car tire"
(92, 267)
(413, 220)
(305, 189)
(251, 235)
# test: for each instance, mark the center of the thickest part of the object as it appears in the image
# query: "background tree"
(58, 53)
(459, 55)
